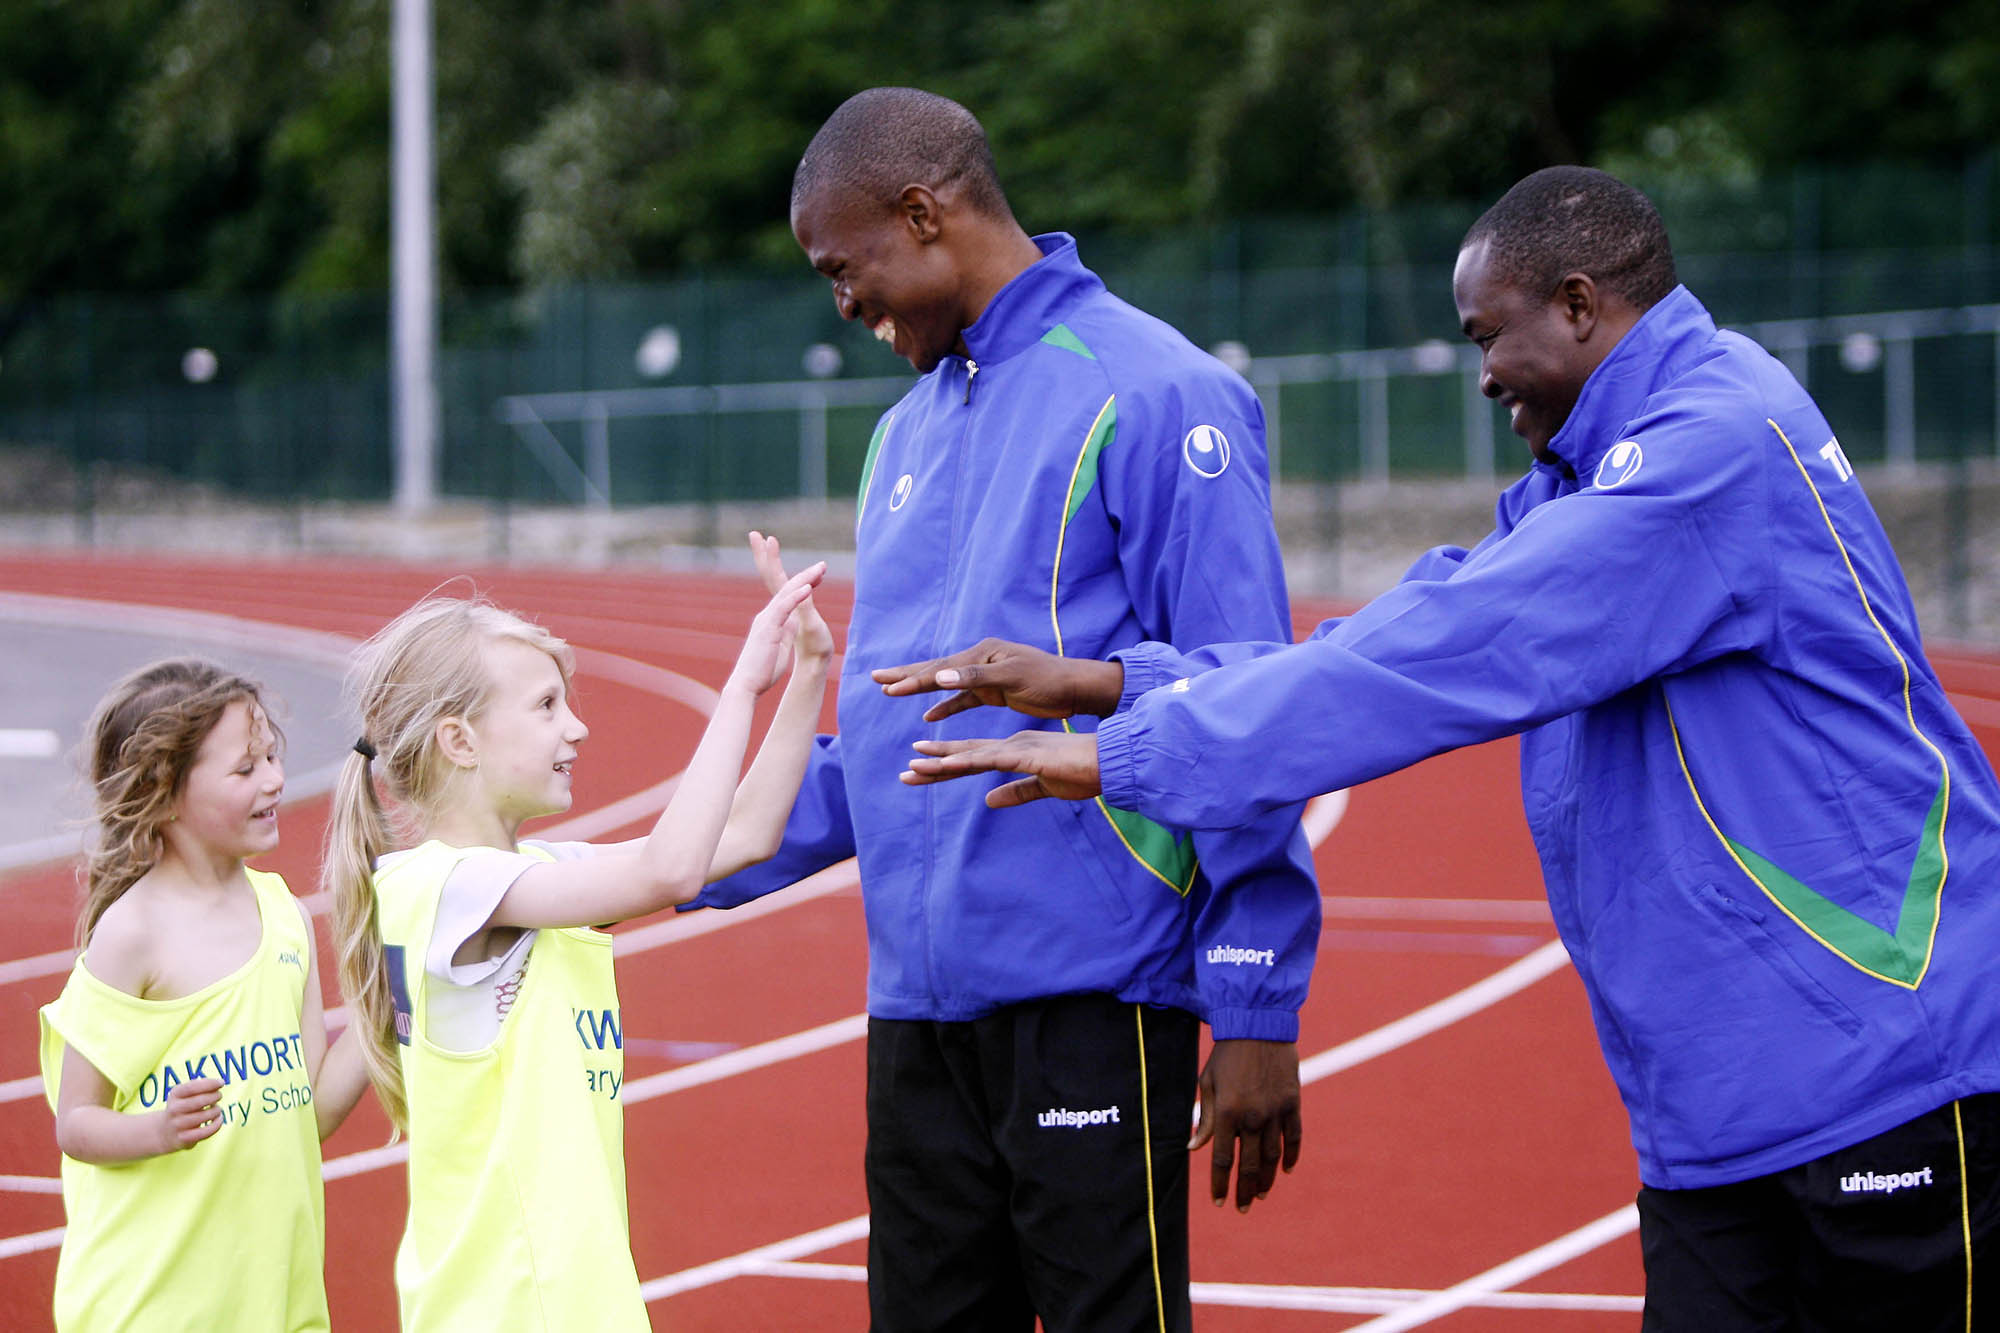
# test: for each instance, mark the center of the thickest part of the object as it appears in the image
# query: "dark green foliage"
(230, 146)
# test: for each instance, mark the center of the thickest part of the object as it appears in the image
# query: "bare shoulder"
(120, 953)
(305, 919)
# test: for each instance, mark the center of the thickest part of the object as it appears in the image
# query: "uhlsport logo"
(1237, 957)
(1206, 450)
(1061, 1117)
(1875, 1182)
(899, 496)
(1620, 465)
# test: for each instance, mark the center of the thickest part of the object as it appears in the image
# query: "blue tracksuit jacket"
(1086, 480)
(1770, 844)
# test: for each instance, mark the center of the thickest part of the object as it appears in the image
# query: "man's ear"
(1580, 301)
(457, 742)
(921, 213)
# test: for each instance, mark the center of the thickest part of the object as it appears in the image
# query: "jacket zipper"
(958, 504)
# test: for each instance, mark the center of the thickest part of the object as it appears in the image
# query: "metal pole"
(1375, 421)
(413, 280)
(597, 451)
(1270, 384)
(1899, 392)
(812, 445)
(1479, 460)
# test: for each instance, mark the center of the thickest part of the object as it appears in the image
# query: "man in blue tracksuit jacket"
(1073, 473)
(1770, 844)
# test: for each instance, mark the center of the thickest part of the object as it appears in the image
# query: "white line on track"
(1483, 994)
(1269, 1296)
(1552, 1255)
(1516, 976)
(769, 1258)
(740, 1265)
(12, 1246)
(834, 879)
(1522, 910)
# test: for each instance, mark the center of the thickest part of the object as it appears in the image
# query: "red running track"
(1472, 1145)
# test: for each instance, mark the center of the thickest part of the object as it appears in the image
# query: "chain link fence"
(1878, 286)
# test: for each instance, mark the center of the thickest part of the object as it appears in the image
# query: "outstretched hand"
(1250, 1107)
(1009, 675)
(767, 648)
(807, 630)
(1059, 764)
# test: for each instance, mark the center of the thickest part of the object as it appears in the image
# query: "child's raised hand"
(811, 637)
(767, 647)
(190, 1114)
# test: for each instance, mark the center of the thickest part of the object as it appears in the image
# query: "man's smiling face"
(1532, 359)
(885, 274)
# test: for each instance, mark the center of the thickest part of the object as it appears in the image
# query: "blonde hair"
(424, 666)
(139, 746)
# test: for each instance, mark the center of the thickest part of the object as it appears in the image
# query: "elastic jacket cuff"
(1254, 1024)
(1143, 671)
(1116, 777)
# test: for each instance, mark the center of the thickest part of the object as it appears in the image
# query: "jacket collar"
(1667, 338)
(1034, 301)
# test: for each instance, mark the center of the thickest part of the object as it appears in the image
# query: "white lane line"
(1515, 1271)
(653, 1086)
(1268, 1296)
(833, 879)
(28, 743)
(13, 1246)
(718, 1067)
(51, 964)
(1383, 1300)
(1480, 995)
(1516, 976)
(722, 1270)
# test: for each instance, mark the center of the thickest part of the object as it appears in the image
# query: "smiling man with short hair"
(1770, 844)
(1071, 472)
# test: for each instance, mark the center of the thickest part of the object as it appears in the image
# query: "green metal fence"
(745, 385)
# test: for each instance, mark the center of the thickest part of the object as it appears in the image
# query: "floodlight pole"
(413, 262)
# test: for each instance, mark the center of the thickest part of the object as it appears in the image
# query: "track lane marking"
(1557, 1252)
(1276, 1296)
(834, 879)
(1483, 994)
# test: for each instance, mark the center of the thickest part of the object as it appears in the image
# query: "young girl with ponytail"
(476, 975)
(181, 1058)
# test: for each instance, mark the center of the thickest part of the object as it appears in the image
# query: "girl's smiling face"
(229, 799)
(527, 736)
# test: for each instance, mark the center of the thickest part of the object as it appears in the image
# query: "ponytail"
(357, 835)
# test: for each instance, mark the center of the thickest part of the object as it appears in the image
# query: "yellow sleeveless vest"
(228, 1233)
(517, 1151)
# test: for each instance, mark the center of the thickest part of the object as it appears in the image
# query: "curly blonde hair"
(424, 666)
(139, 746)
